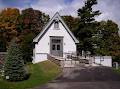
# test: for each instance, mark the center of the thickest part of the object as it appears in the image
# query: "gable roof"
(41, 34)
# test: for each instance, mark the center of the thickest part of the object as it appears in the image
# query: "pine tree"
(14, 64)
(87, 26)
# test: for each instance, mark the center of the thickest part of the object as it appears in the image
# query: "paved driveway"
(85, 78)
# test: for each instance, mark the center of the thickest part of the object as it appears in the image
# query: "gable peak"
(56, 14)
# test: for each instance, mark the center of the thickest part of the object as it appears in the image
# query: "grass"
(117, 70)
(41, 73)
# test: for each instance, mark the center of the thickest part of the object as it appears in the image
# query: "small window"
(58, 47)
(56, 25)
(53, 47)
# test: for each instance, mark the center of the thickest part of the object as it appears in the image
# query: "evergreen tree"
(87, 26)
(14, 64)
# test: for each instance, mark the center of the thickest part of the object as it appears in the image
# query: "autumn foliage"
(27, 23)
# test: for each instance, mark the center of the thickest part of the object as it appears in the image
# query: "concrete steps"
(63, 62)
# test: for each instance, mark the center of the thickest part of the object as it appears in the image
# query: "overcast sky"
(110, 8)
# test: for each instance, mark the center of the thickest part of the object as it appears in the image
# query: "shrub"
(27, 48)
(116, 59)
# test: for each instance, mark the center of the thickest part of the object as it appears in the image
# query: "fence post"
(116, 65)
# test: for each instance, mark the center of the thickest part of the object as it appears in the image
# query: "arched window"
(56, 23)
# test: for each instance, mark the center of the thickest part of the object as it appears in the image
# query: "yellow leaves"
(13, 32)
(9, 15)
(8, 21)
(7, 26)
(10, 12)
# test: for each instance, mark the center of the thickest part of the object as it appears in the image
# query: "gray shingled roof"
(41, 34)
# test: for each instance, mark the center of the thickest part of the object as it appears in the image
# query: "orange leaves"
(8, 20)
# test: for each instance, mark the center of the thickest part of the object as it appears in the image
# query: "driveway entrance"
(85, 78)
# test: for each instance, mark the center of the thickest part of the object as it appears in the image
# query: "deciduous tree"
(8, 20)
(72, 22)
(109, 42)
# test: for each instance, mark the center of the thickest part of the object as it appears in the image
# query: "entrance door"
(56, 46)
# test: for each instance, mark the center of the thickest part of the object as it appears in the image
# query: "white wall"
(104, 60)
(43, 45)
(39, 58)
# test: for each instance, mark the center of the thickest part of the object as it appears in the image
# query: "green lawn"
(118, 70)
(41, 73)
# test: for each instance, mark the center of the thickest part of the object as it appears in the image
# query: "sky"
(110, 9)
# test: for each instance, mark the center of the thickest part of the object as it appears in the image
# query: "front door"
(56, 46)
